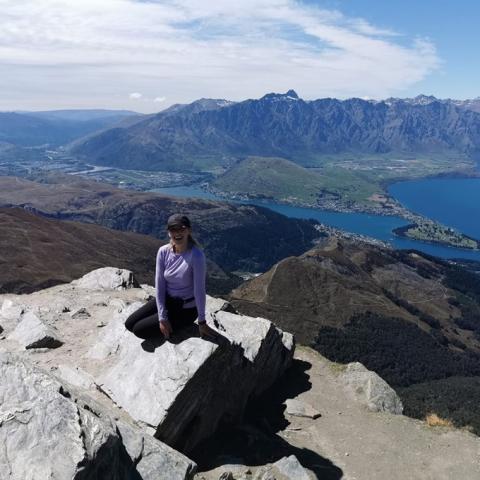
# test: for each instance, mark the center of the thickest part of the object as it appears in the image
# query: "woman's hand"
(206, 331)
(166, 328)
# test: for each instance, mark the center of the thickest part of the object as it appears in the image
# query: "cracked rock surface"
(47, 430)
(102, 399)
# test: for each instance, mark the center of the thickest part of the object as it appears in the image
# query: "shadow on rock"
(256, 442)
(152, 343)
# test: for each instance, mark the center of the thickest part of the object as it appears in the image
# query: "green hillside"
(285, 181)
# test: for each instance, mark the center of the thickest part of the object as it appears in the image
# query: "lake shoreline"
(403, 231)
(360, 225)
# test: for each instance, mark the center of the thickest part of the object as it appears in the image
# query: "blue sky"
(453, 27)
(145, 55)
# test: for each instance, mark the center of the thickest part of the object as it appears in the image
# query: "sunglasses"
(179, 228)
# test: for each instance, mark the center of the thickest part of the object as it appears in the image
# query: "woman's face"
(179, 235)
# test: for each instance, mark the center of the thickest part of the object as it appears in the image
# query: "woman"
(180, 286)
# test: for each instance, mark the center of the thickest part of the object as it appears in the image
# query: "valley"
(326, 154)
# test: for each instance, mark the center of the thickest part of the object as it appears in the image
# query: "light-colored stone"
(108, 278)
(152, 458)
(371, 390)
(292, 469)
(10, 311)
(112, 335)
(75, 376)
(298, 408)
(184, 389)
(215, 305)
(31, 332)
(118, 304)
(47, 431)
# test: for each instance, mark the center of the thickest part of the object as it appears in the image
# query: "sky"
(146, 55)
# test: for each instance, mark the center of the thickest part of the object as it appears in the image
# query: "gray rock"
(31, 332)
(264, 473)
(80, 313)
(226, 476)
(75, 376)
(183, 390)
(46, 431)
(297, 408)
(10, 311)
(118, 304)
(154, 459)
(112, 335)
(108, 278)
(371, 390)
(292, 469)
(149, 290)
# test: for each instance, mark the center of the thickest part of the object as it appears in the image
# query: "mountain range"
(213, 133)
(55, 127)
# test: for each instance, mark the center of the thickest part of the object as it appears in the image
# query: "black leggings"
(144, 322)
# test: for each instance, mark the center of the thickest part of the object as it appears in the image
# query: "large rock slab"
(47, 431)
(108, 278)
(371, 390)
(184, 389)
(31, 332)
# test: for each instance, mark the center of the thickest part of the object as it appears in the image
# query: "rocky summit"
(99, 402)
(83, 398)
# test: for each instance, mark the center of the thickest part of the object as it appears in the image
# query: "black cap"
(178, 220)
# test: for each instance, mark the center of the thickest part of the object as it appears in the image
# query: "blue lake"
(376, 226)
(454, 202)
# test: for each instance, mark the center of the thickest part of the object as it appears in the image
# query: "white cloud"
(159, 99)
(135, 96)
(53, 49)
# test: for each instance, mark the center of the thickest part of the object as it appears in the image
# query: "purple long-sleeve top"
(180, 275)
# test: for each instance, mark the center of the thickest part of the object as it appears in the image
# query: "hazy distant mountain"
(56, 127)
(82, 115)
(196, 137)
(472, 104)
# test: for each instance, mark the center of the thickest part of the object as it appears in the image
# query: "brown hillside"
(330, 284)
(37, 252)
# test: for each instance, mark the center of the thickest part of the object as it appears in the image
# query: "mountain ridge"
(286, 126)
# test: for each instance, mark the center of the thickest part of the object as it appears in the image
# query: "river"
(419, 196)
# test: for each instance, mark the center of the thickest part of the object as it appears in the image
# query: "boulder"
(154, 459)
(183, 389)
(292, 469)
(48, 431)
(10, 311)
(108, 278)
(371, 390)
(298, 408)
(31, 332)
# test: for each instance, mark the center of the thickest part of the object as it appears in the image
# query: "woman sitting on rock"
(180, 286)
